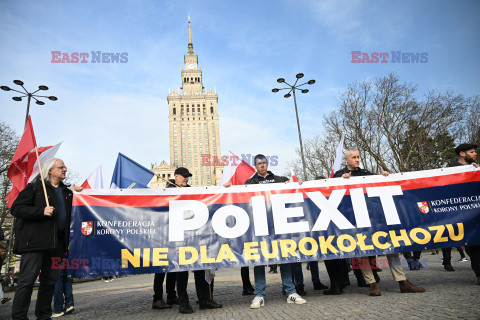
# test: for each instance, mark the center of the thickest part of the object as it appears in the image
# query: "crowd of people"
(42, 234)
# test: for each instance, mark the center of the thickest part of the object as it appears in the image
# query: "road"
(452, 295)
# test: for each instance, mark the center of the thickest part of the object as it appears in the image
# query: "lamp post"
(29, 96)
(292, 89)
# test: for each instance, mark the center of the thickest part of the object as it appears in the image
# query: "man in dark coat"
(261, 177)
(338, 269)
(204, 293)
(158, 302)
(42, 235)
(352, 158)
(466, 156)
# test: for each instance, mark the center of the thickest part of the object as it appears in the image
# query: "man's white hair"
(348, 150)
(47, 166)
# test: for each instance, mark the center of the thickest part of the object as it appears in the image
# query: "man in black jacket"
(338, 268)
(261, 177)
(204, 293)
(158, 302)
(466, 156)
(352, 158)
(42, 235)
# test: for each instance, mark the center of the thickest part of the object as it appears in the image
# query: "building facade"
(193, 127)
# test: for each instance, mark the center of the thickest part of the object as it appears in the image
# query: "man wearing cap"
(158, 302)
(181, 176)
(466, 156)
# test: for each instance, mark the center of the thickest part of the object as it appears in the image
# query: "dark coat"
(357, 173)
(170, 185)
(34, 231)
(455, 163)
(256, 178)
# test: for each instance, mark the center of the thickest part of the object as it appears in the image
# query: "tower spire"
(190, 44)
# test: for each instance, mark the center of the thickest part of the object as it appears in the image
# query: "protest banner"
(166, 230)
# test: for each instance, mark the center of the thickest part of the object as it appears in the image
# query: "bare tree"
(393, 128)
(8, 144)
(318, 156)
(470, 131)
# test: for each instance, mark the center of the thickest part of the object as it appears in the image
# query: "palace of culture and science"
(193, 127)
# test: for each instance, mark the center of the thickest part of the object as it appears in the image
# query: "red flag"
(237, 173)
(32, 171)
(243, 172)
(18, 169)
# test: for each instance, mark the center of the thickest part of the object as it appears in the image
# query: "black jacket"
(256, 178)
(170, 185)
(357, 173)
(455, 163)
(34, 231)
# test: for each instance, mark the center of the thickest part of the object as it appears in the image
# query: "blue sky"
(243, 47)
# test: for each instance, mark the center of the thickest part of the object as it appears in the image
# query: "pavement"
(449, 295)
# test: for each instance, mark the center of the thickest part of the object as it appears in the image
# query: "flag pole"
(239, 158)
(174, 184)
(41, 176)
(234, 154)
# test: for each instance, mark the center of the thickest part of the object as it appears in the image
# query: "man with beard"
(466, 156)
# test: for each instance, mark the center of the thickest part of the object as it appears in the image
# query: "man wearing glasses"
(42, 235)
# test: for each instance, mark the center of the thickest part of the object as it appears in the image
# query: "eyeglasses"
(61, 168)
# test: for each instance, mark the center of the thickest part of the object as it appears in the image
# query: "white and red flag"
(237, 172)
(338, 158)
(294, 177)
(23, 163)
(94, 180)
(45, 153)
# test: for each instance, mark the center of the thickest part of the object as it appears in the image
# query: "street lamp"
(30, 95)
(291, 91)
